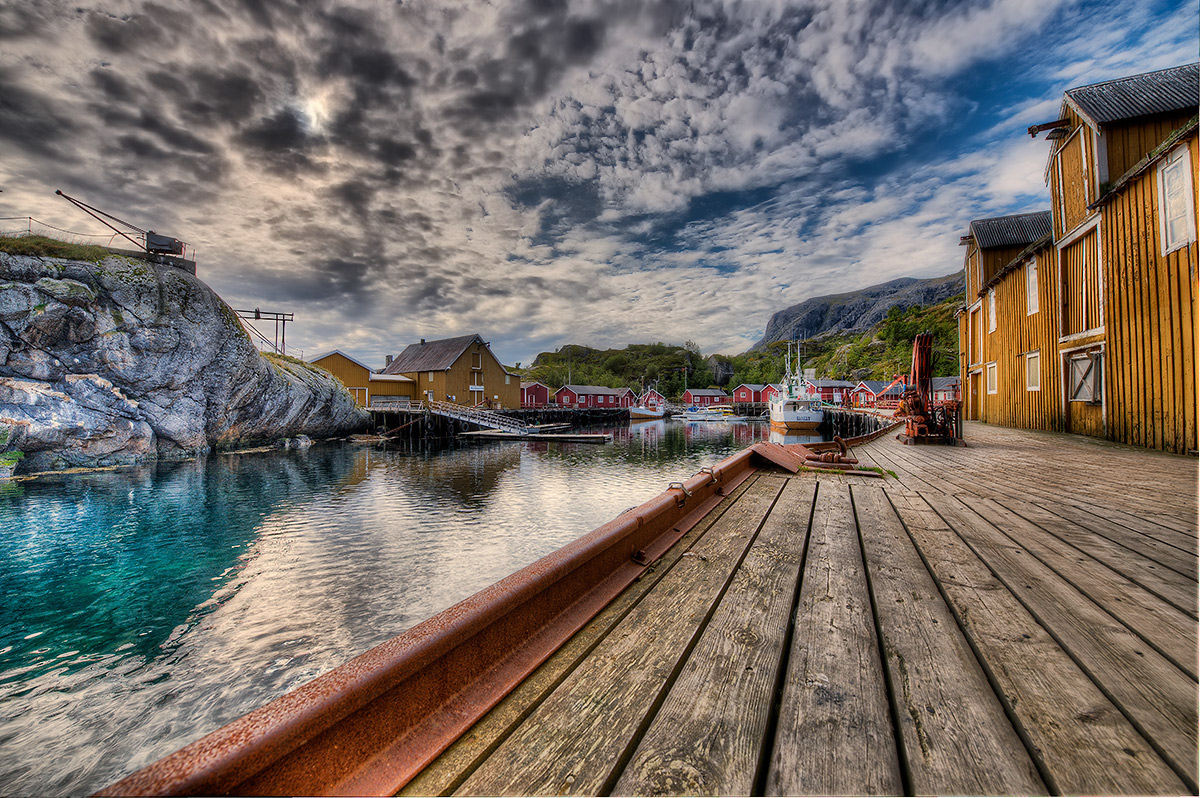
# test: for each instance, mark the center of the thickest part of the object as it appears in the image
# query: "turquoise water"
(142, 608)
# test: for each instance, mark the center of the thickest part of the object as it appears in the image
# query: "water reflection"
(142, 608)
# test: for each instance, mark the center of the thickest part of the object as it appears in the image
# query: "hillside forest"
(879, 353)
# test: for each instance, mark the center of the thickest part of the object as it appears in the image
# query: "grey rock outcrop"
(857, 310)
(126, 361)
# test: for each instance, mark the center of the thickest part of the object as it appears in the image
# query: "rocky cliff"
(124, 361)
(857, 310)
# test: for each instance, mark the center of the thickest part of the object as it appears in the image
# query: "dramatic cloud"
(547, 172)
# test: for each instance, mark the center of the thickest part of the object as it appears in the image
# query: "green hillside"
(880, 353)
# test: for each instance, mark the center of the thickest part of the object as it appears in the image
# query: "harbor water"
(141, 608)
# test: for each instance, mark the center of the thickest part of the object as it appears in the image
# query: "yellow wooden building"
(461, 370)
(1007, 325)
(364, 383)
(1092, 328)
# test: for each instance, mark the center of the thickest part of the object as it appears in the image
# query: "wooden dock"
(1018, 616)
(558, 437)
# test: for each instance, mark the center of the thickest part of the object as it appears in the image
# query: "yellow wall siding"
(357, 380)
(1072, 168)
(352, 375)
(1150, 379)
(1081, 288)
(1129, 142)
(971, 273)
(392, 389)
(1019, 333)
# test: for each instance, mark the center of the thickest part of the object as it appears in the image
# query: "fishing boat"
(646, 409)
(791, 408)
(712, 413)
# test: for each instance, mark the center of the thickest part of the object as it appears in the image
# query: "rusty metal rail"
(370, 725)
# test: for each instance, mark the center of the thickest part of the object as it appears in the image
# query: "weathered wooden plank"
(577, 738)
(1084, 744)
(955, 735)
(707, 738)
(834, 735)
(1019, 481)
(908, 476)
(1172, 587)
(456, 763)
(1169, 631)
(1171, 557)
(1153, 693)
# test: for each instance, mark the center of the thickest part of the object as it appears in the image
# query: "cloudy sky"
(543, 172)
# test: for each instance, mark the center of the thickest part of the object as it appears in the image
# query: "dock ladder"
(481, 418)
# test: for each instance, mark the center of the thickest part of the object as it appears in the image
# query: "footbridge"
(481, 418)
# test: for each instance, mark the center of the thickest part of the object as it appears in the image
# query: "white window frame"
(975, 332)
(1033, 360)
(1031, 291)
(992, 378)
(1089, 390)
(1178, 161)
(991, 310)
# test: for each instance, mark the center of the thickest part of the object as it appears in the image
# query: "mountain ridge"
(856, 311)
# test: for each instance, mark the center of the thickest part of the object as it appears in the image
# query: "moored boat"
(712, 413)
(791, 409)
(643, 412)
(647, 408)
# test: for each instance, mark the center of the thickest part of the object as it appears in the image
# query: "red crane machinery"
(928, 420)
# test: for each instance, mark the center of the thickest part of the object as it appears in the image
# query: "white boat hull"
(797, 415)
(645, 412)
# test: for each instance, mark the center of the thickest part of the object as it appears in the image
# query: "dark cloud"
(283, 141)
(227, 96)
(33, 122)
(366, 68)
(565, 204)
(175, 137)
(113, 85)
(393, 153)
(22, 20)
(354, 196)
(142, 148)
(154, 29)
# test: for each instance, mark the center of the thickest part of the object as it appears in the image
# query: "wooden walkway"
(1014, 617)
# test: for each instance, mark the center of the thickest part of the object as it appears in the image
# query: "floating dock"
(559, 437)
(1018, 616)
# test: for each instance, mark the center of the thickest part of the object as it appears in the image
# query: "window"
(975, 335)
(429, 376)
(1177, 220)
(1033, 371)
(1084, 376)
(992, 384)
(1031, 287)
(477, 360)
(992, 310)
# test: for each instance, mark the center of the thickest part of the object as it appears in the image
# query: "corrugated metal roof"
(944, 383)
(431, 355)
(591, 390)
(1164, 91)
(875, 386)
(707, 392)
(356, 362)
(1010, 231)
